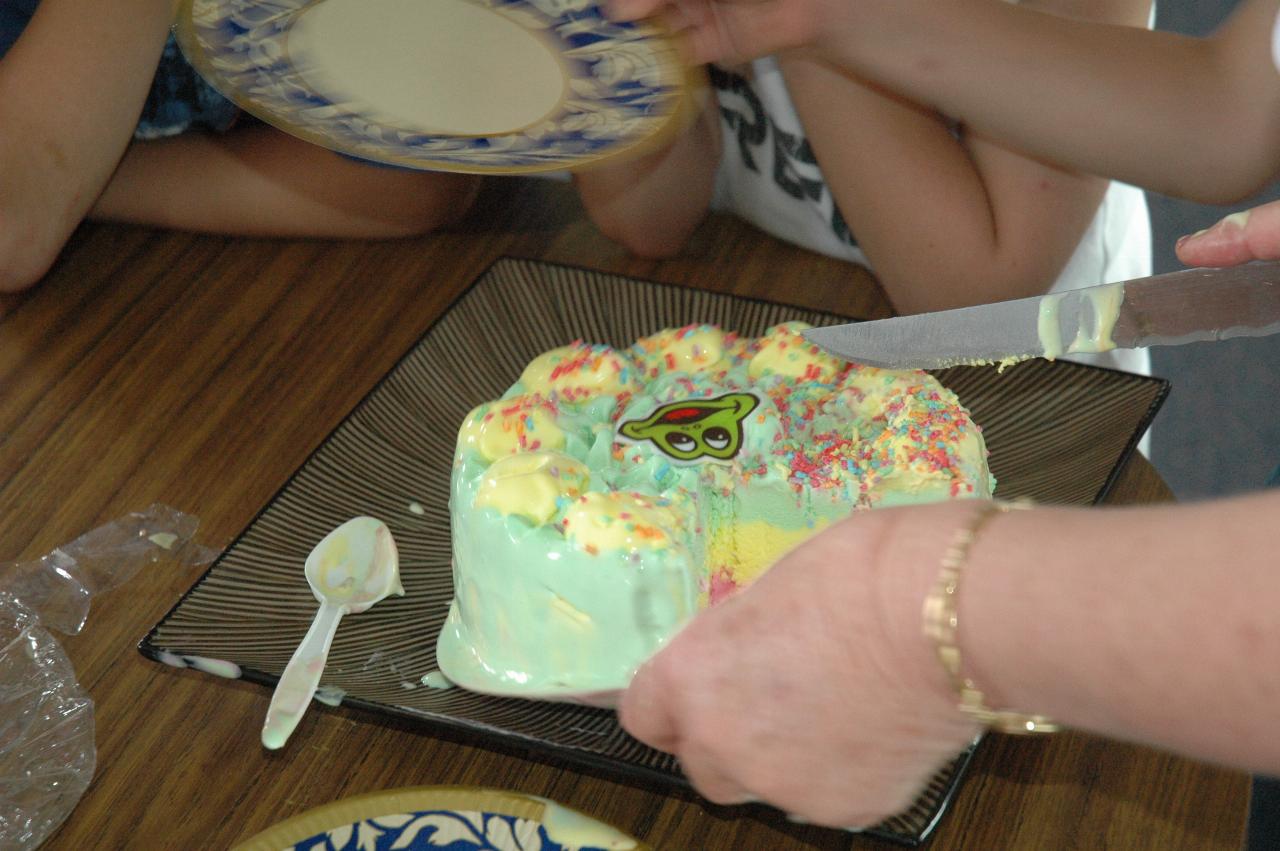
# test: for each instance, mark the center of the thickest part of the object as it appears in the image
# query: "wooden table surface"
(201, 371)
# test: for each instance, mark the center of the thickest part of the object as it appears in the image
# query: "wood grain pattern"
(201, 371)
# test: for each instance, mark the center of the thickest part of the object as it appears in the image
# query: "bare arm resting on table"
(1165, 634)
(259, 181)
(71, 90)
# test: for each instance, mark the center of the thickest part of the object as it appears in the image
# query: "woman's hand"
(1238, 238)
(814, 689)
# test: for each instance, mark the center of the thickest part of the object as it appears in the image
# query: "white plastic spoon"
(355, 566)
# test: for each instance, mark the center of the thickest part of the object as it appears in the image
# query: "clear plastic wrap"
(46, 720)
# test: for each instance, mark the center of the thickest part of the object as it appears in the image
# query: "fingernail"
(1183, 240)
(795, 819)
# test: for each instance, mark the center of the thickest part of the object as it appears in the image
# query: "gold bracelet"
(941, 625)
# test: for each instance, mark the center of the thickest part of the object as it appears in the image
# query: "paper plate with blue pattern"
(477, 86)
(442, 818)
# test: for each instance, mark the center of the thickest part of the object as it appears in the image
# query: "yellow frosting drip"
(533, 485)
(874, 380)
(520, 424)
(914, 472)
(598, 522)
(867, 390)
(693, 348)
(579, 371)
(784, 352)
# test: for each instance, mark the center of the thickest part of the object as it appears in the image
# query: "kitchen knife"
(1163, 310)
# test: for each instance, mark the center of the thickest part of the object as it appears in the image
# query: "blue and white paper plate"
(442, 818)
(479, 86)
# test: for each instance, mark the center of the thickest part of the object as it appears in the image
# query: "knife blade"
(1163, 310)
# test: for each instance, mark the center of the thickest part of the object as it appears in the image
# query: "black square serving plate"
(1058, 432)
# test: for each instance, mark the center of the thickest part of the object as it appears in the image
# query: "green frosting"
(574, 605)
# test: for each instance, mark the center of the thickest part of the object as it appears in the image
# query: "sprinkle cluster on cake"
(612, 492)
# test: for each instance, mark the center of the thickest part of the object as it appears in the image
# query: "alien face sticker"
(694, 429)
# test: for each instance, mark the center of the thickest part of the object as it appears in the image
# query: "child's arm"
(71, 89)
(259, 181)
(945, 217)
(652, 204)
(1196, 118)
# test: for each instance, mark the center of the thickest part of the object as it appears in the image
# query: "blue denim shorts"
(179, 99)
